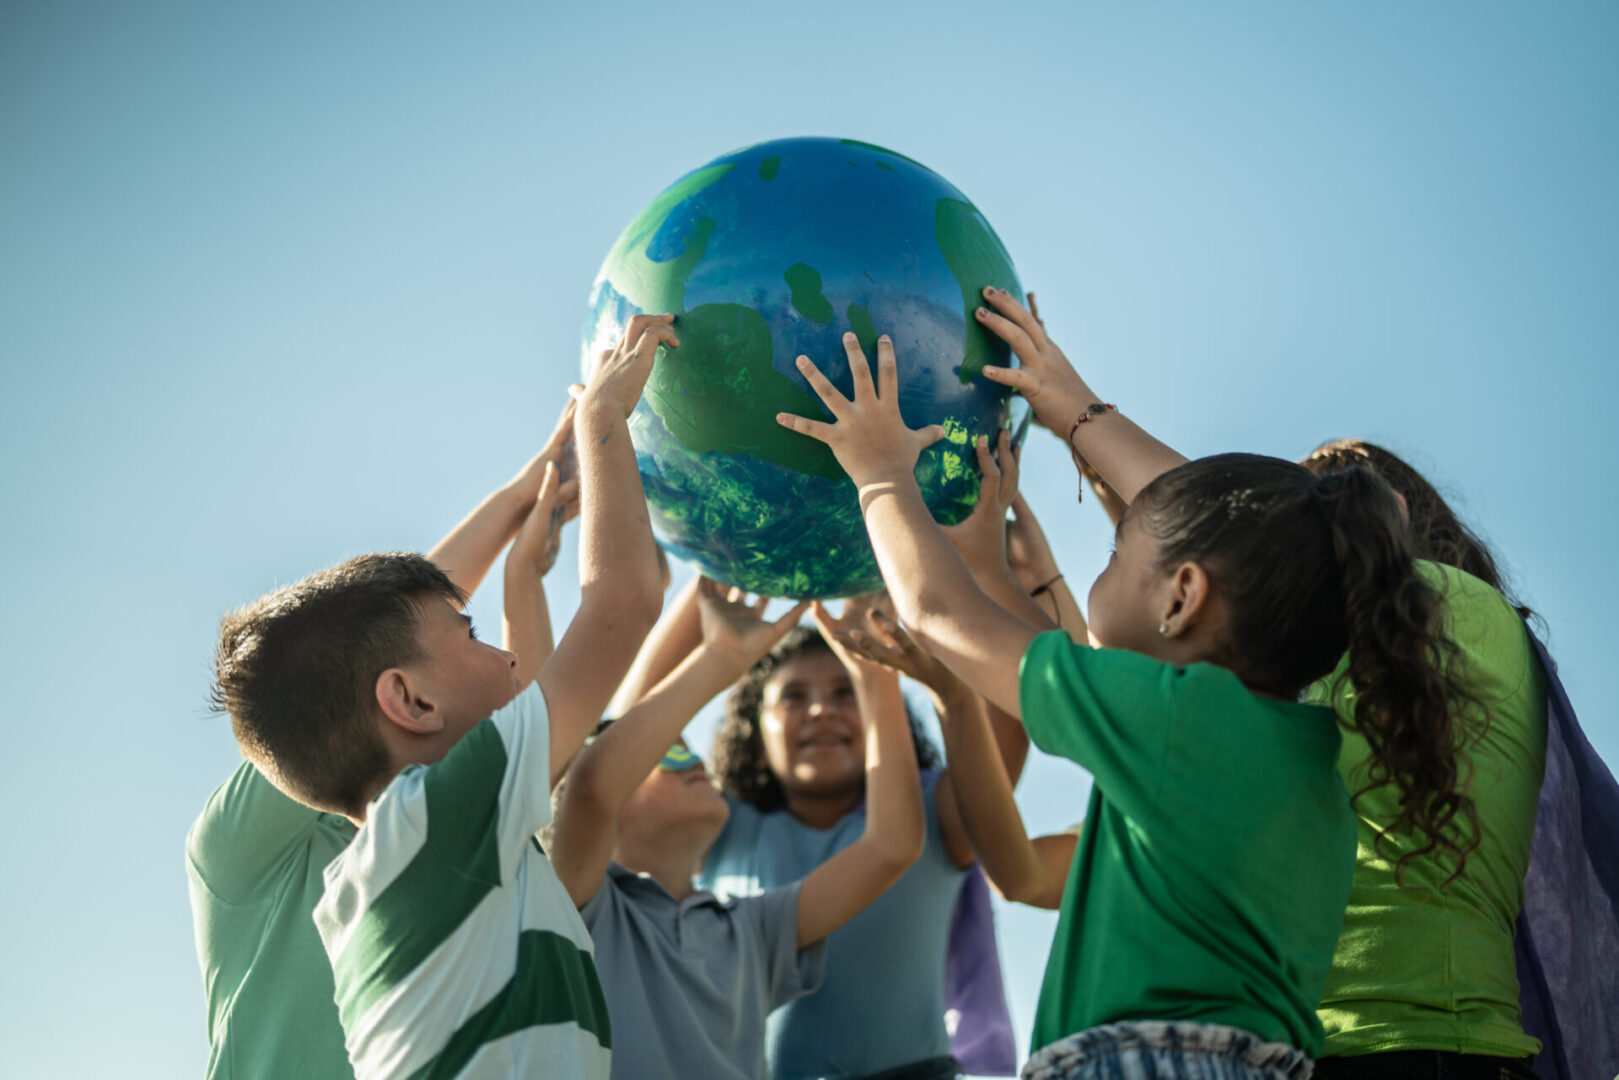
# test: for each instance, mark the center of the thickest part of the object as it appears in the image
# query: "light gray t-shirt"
(690, 982)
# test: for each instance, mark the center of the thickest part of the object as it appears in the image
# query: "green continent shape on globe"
(884, 150)
(728, 402)
(976, 259)
(864, 329)
(656, 287)
(805, 282)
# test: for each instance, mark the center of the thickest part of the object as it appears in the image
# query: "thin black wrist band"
(1046, 587)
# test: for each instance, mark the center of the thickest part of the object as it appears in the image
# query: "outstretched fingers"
(1022, 343)
(815, 429)
(887, 372)
(829, 394)
(1017, 378)
(1008, 465)
(989, 473)
(1006, 305)
(655, 335)
(784, 625)
(898, 635)
(859, 369)
(926, 437)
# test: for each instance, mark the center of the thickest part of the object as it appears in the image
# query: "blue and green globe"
(773, 251)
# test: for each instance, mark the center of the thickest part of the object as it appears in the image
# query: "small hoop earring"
(1163, 628)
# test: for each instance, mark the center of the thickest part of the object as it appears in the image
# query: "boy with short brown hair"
(455, 951)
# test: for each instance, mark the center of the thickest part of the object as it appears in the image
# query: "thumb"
(781, 627)
(549, 483)
(926, 437)
(989, 473)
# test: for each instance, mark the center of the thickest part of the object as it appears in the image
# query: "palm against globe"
(775, 251)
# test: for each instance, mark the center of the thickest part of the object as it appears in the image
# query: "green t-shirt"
(1209, 881)
(254, 860)
(1425, 968)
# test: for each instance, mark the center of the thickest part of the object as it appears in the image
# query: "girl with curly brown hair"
(789, 758)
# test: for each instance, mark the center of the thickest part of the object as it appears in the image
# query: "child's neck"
(672, 864)
(820, 811)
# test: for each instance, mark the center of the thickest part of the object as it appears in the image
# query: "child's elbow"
(630, 608)
(1026, 889)
(1012, 890)
(587, 791)
(899, 852)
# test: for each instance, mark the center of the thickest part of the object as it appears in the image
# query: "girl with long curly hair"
(1425, 978)
(1203, 904)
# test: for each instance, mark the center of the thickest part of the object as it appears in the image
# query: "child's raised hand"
(1053, 389)
(896, 650)
(980, 537)
(558, 449)
(869, 438)
(540, 536)
(737, 629)
(620, 373)
(856, 619)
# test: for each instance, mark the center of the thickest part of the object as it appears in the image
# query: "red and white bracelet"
(1089, 413)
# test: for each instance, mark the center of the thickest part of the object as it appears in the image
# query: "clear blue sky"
(283, 283)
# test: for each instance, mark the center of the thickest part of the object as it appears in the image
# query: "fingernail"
(989, 290)
(980, 312)
(802, 361)
(883, 339)
(848, 336)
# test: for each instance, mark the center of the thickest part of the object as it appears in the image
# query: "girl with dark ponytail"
(1209, 881)
(1425, 977)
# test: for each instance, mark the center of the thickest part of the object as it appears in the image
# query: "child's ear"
(1188, 599)
(400, 699)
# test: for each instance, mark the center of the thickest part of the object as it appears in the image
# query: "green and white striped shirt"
(455, 950)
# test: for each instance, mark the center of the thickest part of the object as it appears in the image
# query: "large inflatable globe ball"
(775, 251)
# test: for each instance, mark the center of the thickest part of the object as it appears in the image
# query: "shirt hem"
(1388, 1038)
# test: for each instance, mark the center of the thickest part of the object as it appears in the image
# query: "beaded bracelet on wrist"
(1087, 414)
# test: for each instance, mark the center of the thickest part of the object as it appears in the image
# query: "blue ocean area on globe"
(779, 250)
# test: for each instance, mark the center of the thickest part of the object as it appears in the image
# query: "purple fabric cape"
(1567, 940)
(973, 994)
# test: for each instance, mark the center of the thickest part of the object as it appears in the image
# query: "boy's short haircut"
(296, 670)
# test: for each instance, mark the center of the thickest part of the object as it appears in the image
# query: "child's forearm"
(527, 620)
(983, 792)
(622, 756)
(470, 549)
(1064, 610)
(678, 632)
(1000, 585)
(1126, 456)
(620, 587)
(896, 825)
(1011, 740)
(617, 556)
(938, 599)
(607, 773)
